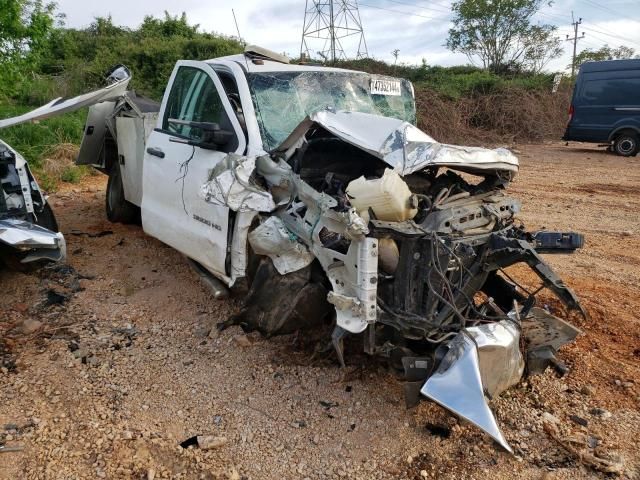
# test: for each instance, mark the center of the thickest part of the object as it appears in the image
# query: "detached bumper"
(35, 242)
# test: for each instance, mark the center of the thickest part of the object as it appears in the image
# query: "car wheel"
(119, 210)
(626, 144)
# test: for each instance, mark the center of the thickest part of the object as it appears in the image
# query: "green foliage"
(604, 53)
(500, 34)
(25, 29)
(71, 174)
(35, 140)
(453, 82)
(150, 52)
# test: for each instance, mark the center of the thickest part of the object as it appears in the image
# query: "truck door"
(172, 209)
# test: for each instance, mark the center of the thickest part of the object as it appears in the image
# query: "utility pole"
(395, 54)
(575, 42)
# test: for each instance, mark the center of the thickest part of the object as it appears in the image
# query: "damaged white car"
(312, 188)
(29, 233)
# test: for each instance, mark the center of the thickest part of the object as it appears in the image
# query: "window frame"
(206, 68)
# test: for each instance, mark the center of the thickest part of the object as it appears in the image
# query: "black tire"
(626, 144)
(119, 210)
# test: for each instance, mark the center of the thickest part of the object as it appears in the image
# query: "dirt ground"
(107, 366)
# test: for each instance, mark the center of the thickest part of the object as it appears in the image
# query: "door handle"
(156, 152)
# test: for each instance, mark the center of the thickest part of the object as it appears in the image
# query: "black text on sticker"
(385, 87)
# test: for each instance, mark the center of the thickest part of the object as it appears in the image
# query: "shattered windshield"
(283, 99)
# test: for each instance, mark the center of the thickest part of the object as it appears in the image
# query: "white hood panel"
(401, 145)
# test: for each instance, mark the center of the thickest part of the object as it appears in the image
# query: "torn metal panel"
(25, 236)
(120, 80)
(401, 145)
(501, 362)
(457, 386)
(273, 239)
(230, 184)
(544, 335)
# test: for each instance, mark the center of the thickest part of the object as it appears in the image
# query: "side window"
(614, 91)
(194, 97)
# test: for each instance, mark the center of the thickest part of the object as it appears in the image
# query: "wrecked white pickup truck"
(312, 188)
(28, 229)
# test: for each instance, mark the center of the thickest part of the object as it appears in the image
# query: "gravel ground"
(110, 363)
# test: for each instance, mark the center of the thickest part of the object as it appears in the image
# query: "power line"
(590, 29)
(397, 11)
(442, 10)
(602, 7)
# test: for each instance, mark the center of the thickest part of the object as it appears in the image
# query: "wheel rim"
(626, 146)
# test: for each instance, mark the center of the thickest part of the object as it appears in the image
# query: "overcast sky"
(417, 28)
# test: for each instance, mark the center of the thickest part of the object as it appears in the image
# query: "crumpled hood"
(401, 145)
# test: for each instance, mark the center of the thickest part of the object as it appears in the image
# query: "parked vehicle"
(311, 188)
(605, 107)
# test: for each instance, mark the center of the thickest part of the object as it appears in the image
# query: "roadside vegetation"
(506, 98)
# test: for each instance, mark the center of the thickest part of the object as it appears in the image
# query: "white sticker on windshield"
(381, 86)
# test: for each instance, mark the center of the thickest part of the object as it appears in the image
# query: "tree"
(541, 46)
(25, 26)
(604, 53)
(500, 33)
(170, 26)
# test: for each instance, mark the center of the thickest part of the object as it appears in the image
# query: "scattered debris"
(204, 442)
(7, 449)
(600, 412)
(441, 431)
(55, 298)
(578, 420)
(242, 341)
(29, 326)
(102, 233)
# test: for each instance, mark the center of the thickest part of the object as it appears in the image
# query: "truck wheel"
(626, 144)
(119, 210)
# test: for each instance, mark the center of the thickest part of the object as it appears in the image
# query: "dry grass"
(513, 115)
(58, 165)
(59, 158)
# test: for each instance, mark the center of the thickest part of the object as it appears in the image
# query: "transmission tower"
(326, 24)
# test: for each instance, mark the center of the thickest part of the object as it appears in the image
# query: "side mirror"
(212, 135)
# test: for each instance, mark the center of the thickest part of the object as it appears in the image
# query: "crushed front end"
(28, 229)
(407, 241)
